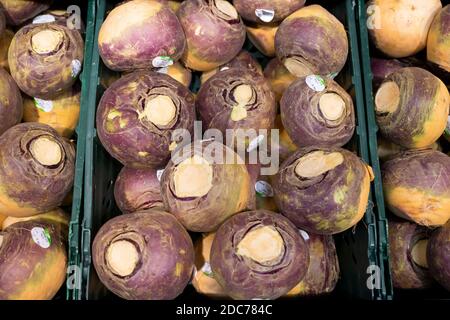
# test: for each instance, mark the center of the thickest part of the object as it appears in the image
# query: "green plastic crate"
(74, 271)
(357, 248)
(366, 50)
(372, 129)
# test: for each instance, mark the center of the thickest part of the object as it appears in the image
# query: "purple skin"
(166, 255)
(419, 89)
(220, 41)
(423, 172)
(56, 217)
(11, 105)
(323, 269)
(137, 142)
(438, 255)
(310, 203)
(254, 171)
(323, 48)
(232, 190)
(215, 101)
(438, 45)
(33, 187)
(35, 272)
(304, 122)
(137, 189)
(282, 8)
(19, 11)
(45, 76)
(382, 68)
(244, 60)
(160, 34)
(406, 274)
(244, 279)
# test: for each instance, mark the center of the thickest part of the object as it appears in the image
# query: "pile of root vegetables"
(411, 68)
(40, 59)
(256, 236)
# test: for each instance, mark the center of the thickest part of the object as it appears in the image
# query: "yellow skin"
(191, 61)
(45, 281)
(2, 219)
(55, 216)
(281, 82)
(439, 55)
(435, 125)
(206, 284)
(424, 208)
(63, 117)
(123, 27)
(266, 203)
(178, 72)
(401, 26)
(203, 283)
(287, 141)
(263, 37)
(302, 287)
(174, 5)
(286, 144)
(12, 208)
(331, 26)
(238, 199)
(438, 44)
(316, 11)
(5, 41)
(49, 273)
(279, 78)
(364, 197)
(114, 27)
(359, 210)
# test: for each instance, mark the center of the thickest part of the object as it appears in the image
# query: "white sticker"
(265, 15)
(44, 18)
(317, 83)
(206, 269)
(263, 189)
(304, 234)
(162, 62)
(224, 68)
(164, 70)
(43, 105)
(76, 68)
(255, 143)
(41, 237)
(159, 174)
